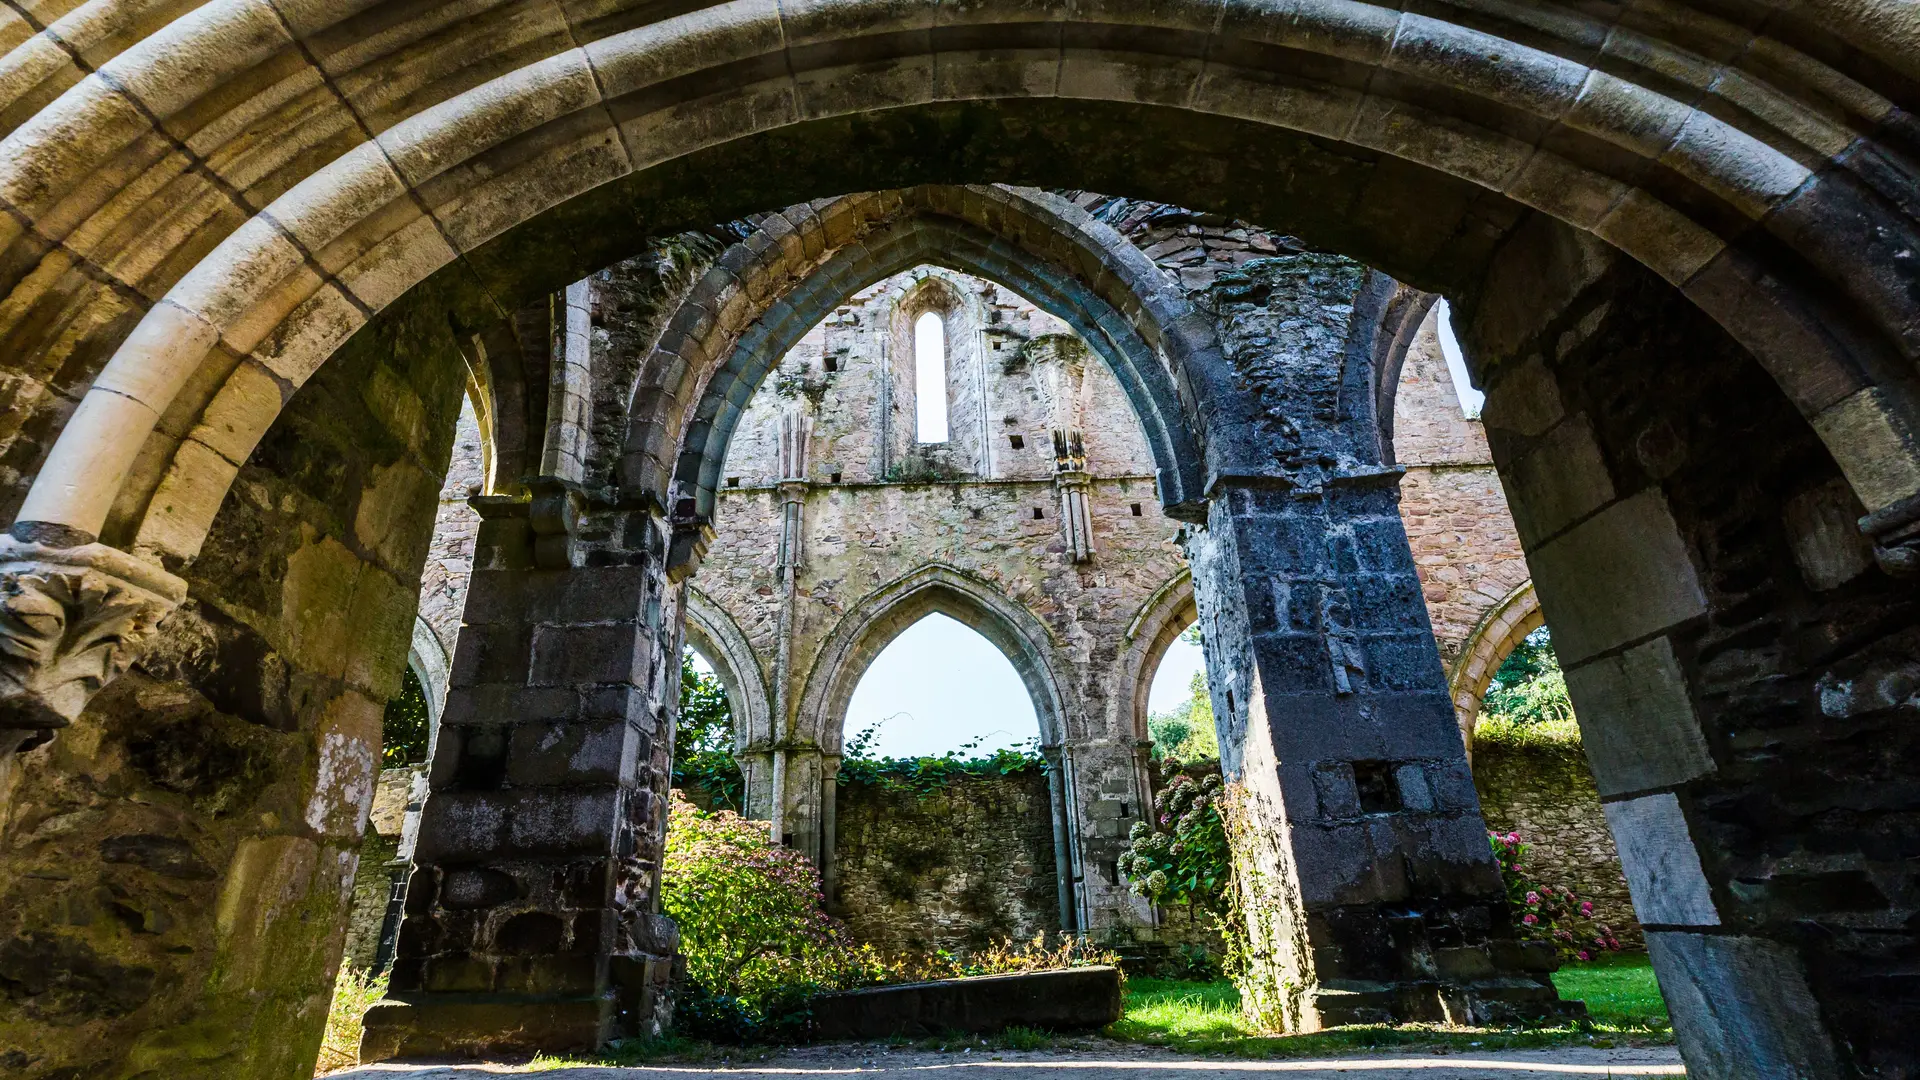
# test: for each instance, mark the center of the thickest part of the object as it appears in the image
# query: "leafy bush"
(1182, 857)
(1548, 912)
(703, 739)
(753, 927)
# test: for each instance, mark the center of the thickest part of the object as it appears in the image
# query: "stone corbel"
(1895, 532)
(554, 514)
(72, 619)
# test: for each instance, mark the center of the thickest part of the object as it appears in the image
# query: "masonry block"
(1637, 720)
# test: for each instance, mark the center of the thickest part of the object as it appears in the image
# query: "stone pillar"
(532, 915)
(1370, 892)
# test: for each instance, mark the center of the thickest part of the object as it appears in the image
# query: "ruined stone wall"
(1547, 795)
(960, 867)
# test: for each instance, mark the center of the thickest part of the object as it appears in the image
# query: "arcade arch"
(1768, 205)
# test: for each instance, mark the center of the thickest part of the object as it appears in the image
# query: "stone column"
(532, 915)
(1370, 891)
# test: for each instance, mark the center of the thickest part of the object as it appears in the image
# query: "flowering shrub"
(1548, 912)
(1182, 857)
(753, 929)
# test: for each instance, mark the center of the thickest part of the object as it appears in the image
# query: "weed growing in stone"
(354, 992)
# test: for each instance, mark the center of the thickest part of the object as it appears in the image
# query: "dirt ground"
(1117, 1062)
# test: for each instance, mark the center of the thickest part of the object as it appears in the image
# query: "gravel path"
(1117, 1063)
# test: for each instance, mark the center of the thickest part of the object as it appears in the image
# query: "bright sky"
(1470, 399)
(940, 684)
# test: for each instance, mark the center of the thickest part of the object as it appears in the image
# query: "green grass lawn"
(1623, 1004)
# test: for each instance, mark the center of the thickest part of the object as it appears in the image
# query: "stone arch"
(763, 308)
(712, 631)
(1167, 613)
(872, 624)
(1498, 632)
(354, 220)
(432, 664)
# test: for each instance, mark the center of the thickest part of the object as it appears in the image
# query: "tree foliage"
(404, 729)
(1529, 688)
(1186, 735)
(703, 741)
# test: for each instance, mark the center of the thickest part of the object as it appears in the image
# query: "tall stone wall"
(962, 866)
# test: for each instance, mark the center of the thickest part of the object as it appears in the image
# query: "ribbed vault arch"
(1039, 248)
(222, 202)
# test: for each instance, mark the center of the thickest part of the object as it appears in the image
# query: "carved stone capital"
(71, 621)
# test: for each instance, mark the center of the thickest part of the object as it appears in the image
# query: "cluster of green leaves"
(1543, 912)
(404, 728)
(925, 775)
(1185, 734)
(1181, 856)
(1529, 688)
(703, 741)
(754, 930)
(1526, 703)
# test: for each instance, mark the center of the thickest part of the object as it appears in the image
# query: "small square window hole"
(833, 478)
(733, 481)
(1374, 781)
(1136, 509)
(832, 365)
(1017, 442)
(1039, 514)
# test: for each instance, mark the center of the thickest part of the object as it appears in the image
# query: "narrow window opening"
(930, 376)
(1230, 708)
(733, 481)
(833, 478)
(1136, 509)
(1017, 442)
(832, 364)
(1039, 514)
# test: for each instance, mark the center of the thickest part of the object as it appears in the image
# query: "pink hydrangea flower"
(1586, 908)
(1530, 918)
(1584, 955)
(1533, 898)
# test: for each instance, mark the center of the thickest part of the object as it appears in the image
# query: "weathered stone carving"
(71, 620)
